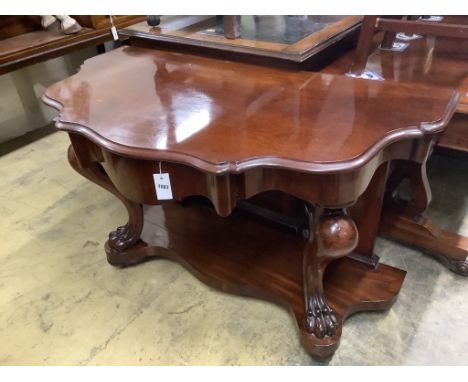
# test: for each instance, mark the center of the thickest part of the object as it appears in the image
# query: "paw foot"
(460, 267)
(121, 238)
(321, 319)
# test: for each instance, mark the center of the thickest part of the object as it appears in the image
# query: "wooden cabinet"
(23, 41)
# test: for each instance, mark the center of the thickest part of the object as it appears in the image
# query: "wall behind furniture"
(21, 109)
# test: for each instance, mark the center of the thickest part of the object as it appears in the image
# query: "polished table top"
(229, 116)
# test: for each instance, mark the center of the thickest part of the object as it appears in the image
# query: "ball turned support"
(333, 235)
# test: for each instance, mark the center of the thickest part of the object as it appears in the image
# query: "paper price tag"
(114, 33)
(162, 183)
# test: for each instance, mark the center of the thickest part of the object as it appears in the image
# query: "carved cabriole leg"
(125, 238)
(333, 235)
(404, 221)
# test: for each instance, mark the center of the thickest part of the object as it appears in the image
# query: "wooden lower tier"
(447, 247)
(245, 256)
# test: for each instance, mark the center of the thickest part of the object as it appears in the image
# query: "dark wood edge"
(438, 126)
(349, 24)
(287, 55)
(17, 60)
(180, 40)
(328, 42)
(423, 27)
(411, 132)
(462, 108)
(52, 53)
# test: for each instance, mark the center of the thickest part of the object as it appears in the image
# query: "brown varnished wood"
(366, 213)
(134, 180)
(440, 61)
(193, 32)
(404, 220)
(243, 256)
(318, 60)
(14, 25)
(423, 27)
(230, 131)
(463, 103)
(389, 36)
(223, 190)
(25, 43)
(421, 196)
(455, 28)
(433, 60)
(447, 247)
(456, 135)
(333, 235)
(237, 115)
(125, 236)
(365, 44)
(284, 210)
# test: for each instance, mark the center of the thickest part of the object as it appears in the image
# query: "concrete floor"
(62, 304)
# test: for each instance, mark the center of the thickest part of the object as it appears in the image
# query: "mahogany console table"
(229, 131)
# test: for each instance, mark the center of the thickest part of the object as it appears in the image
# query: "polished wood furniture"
(372, 24)
(230, 131)
(442, 62)
(456, 136)
(439, 61)
(23, 41)
(434, 59)
(245, 256)
(283, 40)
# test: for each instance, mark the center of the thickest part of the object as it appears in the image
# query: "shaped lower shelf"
(244, 256)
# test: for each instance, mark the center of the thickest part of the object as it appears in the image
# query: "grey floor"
(62, 304)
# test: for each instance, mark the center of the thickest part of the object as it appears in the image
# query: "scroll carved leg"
(404, 221)
(124, 237)
(421, 195)
(334, 235)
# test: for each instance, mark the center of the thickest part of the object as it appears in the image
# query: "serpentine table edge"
(328, 187)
